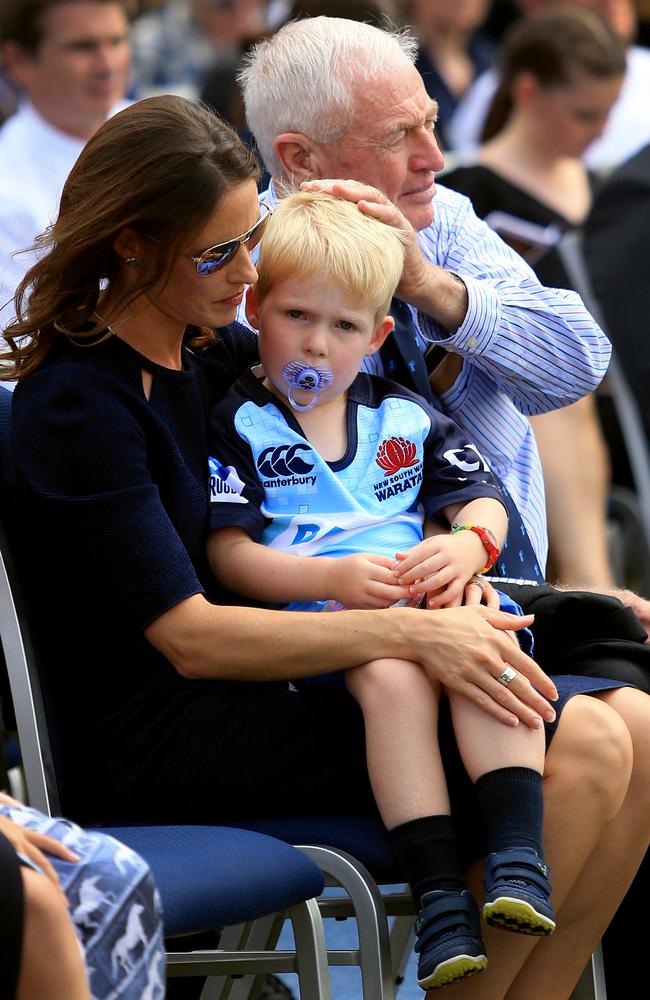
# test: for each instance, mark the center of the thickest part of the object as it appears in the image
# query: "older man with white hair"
(329, 98)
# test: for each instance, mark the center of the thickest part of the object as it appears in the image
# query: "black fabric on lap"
(585, 634)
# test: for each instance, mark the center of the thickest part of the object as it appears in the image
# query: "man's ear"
(381, 332)
(252, 308)
(17, 63)
(295, 153)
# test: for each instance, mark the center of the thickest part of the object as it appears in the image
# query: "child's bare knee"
(389, 681)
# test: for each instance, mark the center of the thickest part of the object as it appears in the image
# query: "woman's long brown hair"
(159, 166)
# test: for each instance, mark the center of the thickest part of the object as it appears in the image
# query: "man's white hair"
(301, 79)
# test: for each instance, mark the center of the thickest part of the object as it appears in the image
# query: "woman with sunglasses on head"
(149, 675)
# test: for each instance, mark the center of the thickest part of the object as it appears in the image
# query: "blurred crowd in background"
(193, 47)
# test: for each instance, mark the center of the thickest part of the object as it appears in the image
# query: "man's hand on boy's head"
(441, 567)
(371, 201)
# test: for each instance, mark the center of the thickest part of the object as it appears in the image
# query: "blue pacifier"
(310, 379)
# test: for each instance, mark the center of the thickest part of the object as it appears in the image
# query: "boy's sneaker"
(518, 892)
(448, 943)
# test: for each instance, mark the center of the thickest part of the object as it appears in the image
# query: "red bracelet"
(489, 542)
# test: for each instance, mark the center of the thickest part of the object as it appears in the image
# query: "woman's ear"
(381, 332)
(525, 88)
(295, 153)
(128, 246)
(252, 308)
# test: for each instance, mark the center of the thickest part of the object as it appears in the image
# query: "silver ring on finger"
(507, 676)
(477, 582)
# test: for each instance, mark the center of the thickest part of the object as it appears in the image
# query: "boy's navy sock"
(513, 808)
(427, 851)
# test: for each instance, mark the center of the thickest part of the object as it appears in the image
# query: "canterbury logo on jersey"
(225, 484)
(286, 465)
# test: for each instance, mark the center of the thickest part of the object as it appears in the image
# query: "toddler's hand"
(365, 582)
(440, 567)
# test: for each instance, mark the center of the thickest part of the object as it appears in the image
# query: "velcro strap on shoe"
(512, 865)
(449, 912)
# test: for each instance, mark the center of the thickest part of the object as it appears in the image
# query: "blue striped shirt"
(527, 349)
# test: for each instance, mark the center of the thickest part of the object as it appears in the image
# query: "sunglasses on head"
(218, 256)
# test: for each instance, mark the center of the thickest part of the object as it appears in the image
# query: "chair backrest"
(20, 659)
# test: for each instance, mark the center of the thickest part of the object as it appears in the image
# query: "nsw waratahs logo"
(396, 453)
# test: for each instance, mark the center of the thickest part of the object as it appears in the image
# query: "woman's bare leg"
(586, 778)
(600, 887)
(400, 710)
(51, 966)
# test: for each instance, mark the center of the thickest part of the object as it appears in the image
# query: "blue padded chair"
(209, 877)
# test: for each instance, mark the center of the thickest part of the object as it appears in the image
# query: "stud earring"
(129, 260)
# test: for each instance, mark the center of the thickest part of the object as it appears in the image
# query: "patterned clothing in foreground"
(114, 907)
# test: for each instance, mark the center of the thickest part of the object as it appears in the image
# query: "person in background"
(70, 61)
(617, 254)
(628, 126)
(177, 43)
(560, 73)
(452, 51)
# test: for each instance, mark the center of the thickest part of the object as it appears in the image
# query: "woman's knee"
(633, 707)
(593, 749)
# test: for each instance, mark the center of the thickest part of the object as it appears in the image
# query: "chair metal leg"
(373, 954)
(311, 952)
(252, 935)
(591, 985)
(402, 939)
(308, 961)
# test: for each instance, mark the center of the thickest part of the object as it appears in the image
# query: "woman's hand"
(364, 582)
(467, 649)
(478, 590)
(32, 845)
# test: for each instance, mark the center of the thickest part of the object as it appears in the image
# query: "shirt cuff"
(479, 327)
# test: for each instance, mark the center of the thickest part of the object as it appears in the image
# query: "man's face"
(390, 144)
(81, 67)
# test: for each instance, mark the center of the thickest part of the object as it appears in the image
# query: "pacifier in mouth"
(308, 378)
